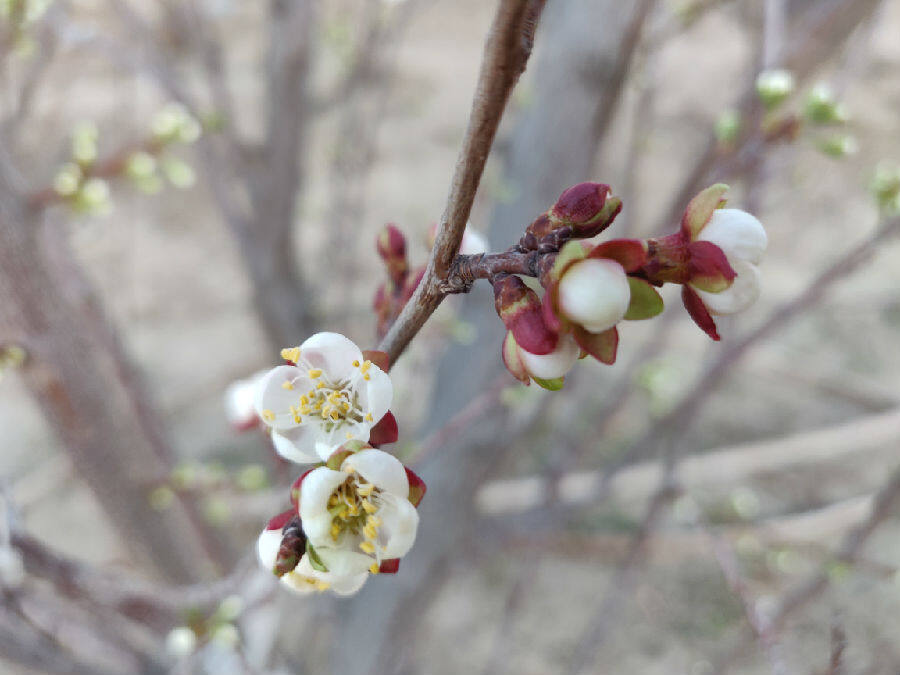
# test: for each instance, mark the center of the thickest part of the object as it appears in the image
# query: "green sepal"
(700, 209)
(571, 252)
(645, 303)
(338, 456)
(551, 385)
(314, 560)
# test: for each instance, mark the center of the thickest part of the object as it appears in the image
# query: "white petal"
(473, 242)
(376, 393)
(314, 494)
(329, 441)
(595, 293)
(342, 562)
(272, 397)
(742, 293)
(239, 398)
(267, 547)
(740, 235)
(297, 444)
(297, 580)
(555, 364)
(383, 470)
(349, 585)
(400, 522)
(333, 353)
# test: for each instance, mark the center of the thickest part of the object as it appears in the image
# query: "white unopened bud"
(739, 234)
(555, 364)
(181, 642)
(742, 293)
(595, 294)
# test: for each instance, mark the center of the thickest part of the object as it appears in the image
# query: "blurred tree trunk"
(583, 51)
(89, 395)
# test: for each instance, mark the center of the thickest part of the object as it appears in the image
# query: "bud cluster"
(589, 288)
(82, 181)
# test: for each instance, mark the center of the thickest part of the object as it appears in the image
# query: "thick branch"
(505, 56)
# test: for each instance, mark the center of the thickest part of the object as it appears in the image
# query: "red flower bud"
(391, 246)
(521, 312)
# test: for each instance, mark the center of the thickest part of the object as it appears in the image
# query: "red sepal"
(279, 521)
(631, 254)
(389, 566)
(417, 487)
(602, 346)
(380, 359)
(385, 431)
(709, 267)
(701, 316)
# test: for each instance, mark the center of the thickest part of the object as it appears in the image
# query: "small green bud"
(93, 197)
(252, 477)
(728, 126)
(180, 174)
(885, 186)
(84, 142)
(838, 146)
(67, 179)
(821, 106)
(161, 498)
(774, 87)
(216, 510)
(141, 165)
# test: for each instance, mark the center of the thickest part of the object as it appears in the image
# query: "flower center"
(354, 506)
(335, 403)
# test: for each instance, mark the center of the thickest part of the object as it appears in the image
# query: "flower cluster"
(589, 288)
(354, 513)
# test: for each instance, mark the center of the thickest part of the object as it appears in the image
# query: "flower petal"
(398, 531)
(739, 234)
(594, 293)
(267, 548)
(742, 293)
(383, 470)
(512, 359)
(272, 401)
(314, 494)
(377, 393)
(333, 353)
(297, 444)
(553, 365)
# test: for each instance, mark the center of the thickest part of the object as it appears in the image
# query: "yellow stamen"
(315, 373)
(320, 385)
(335, 531)
(368, 506)
(374, 569)
(375, 520)
(367, 546)
(291, 354)
(369, 417)
(268, 415)
(370, 531)
(365, 366)
(322, 585)
(287, 384)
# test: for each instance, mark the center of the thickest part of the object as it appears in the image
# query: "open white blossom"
(362, 508)
(238, 400)
(743, 240)
(330, 396)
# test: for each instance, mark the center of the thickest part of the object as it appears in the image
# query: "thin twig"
(506, 53)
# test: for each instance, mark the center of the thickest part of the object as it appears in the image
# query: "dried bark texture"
(83, 384)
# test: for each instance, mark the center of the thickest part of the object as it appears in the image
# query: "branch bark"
(506, 54)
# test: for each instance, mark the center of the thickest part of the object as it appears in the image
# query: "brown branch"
(506, 53)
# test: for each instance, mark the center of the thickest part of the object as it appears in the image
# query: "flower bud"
(594, 293)
(521, 312)
(821, 106)
(391, 246)
(587, 207)
(739, 234)
(774, 86)
(545, 369)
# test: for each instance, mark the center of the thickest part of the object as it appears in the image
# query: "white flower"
(353, 520)
(362, 509)
(238, 400)
(473, 242)
(743, 240)
(332, 395)
(553, 365)
(595, 294)
(181, 642)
